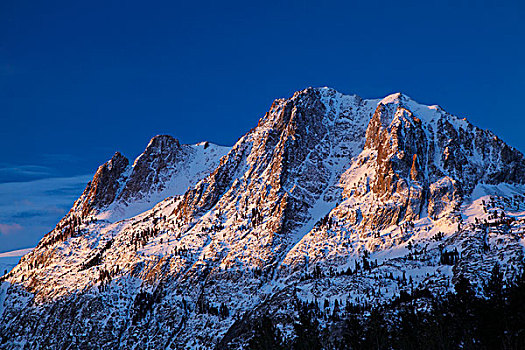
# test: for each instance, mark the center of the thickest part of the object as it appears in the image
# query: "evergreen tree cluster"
(460, 320)
(144, 302)
(97, 258)
(65, 229)
(140, 238)
(257, 217)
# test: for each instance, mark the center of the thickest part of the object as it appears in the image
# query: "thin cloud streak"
(22, 173)
(7, 229)
(28, 210)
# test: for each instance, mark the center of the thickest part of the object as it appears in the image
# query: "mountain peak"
(161, 142)
(101, 191)
(162, 139)
(395, 98)
(116, 160)
(331, 197)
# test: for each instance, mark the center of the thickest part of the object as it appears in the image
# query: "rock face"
(102, 190)
(177, 249)
(421, 156)
(165, 168)
(152, 167)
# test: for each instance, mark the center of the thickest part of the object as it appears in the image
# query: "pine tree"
(494, 287)
(266, 336)
(307, 332)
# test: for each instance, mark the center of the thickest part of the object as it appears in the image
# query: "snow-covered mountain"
(166, 168)
(8, 260)
(330, 197)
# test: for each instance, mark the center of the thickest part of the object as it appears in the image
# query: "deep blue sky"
(80, 80)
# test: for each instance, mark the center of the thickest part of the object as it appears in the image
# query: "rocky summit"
(333, 204)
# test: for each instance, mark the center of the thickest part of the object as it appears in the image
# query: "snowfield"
(331, 198)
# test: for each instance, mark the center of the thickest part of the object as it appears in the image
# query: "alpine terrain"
(336, 223)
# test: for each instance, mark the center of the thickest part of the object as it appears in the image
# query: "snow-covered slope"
(8, 260)
(330, 197)
(166, 168)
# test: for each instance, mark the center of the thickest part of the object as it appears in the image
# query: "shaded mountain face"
(190, 243)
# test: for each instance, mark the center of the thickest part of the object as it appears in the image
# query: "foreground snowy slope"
(331, 197)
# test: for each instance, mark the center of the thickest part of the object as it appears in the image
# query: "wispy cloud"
(7, 229)
(30, 209)
(48, 165)
(60, 157)
(20, 173)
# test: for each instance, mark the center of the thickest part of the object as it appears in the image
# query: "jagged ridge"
(323, 184)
